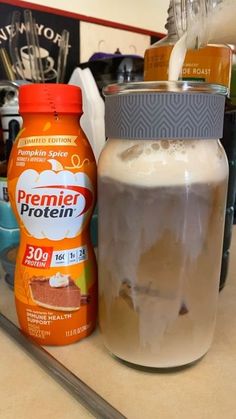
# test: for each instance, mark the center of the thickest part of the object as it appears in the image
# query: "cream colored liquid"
(221, 23)
(158, 289)
(177, 58)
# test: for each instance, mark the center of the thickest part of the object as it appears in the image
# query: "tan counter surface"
(206, 390)
(28, 392)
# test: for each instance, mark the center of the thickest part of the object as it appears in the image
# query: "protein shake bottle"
(51, 182)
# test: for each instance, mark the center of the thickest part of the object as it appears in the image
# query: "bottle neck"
(171, 23)
(49, 122)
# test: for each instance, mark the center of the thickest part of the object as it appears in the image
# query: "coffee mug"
(47, 61)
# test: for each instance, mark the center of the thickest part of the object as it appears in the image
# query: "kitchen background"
(102, 29)
(94, 27)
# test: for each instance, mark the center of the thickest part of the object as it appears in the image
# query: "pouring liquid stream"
(220, 26)
(177, 58)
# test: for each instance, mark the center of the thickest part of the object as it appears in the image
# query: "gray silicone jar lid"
(164, 110)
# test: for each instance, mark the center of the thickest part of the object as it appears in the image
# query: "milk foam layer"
(152, 163)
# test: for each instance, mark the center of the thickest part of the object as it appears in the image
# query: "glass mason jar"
(205, 21)
(162, 180)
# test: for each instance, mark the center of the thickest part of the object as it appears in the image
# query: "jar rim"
(184, 86)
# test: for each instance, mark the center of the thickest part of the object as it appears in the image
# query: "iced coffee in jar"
(162, 180)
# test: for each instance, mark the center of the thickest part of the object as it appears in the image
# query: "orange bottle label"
(211, 64)
(52, 189)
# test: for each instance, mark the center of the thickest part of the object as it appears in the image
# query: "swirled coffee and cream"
(161, 216)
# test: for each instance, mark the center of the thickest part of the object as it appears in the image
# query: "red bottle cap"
(50, 98)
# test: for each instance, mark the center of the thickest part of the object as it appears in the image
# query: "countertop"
(206, 390)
